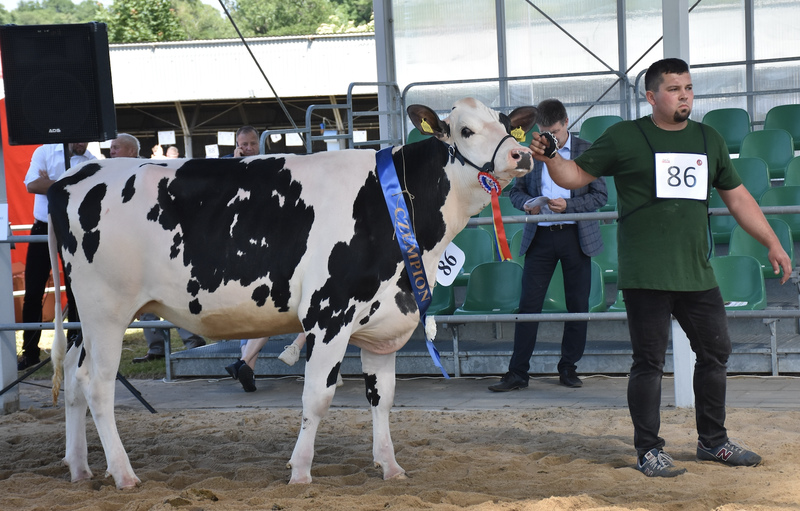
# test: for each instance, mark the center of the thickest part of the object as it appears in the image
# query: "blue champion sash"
(404, 232)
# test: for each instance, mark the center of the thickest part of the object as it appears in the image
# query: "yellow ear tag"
(518, 134)
(426, 128)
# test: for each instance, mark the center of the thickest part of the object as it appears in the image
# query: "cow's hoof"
(78, 474)
(398, 477)
(304, 479)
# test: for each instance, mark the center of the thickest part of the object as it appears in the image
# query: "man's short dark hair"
(655, 73)
(246, 129)
(550, 112)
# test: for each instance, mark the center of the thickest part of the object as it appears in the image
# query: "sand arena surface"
(542, 459)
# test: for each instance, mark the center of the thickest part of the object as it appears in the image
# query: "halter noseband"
(455, 154)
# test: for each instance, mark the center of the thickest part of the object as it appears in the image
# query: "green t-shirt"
(664, 243)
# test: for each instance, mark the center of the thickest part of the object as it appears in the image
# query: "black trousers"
(701, 314)
(549, 246)
(37, 272)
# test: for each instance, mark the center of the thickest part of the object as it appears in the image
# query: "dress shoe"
(24, 363)
(570, 379)
(147, 358)
(233, 369)
(508, 382)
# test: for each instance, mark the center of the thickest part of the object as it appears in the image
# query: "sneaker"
(729, 453)
(247, 378)
(233, 369)
(657, 463)
(290, 355)
(509, 382)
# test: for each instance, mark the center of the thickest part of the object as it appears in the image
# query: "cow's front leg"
(75, 384)
(379, 378)
(320, 386)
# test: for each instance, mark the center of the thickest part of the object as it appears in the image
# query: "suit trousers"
(550, 245)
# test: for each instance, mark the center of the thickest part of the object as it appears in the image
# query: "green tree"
(53, 12)
(133, 21)
(357, 11)
(279, 17)
(201, 21)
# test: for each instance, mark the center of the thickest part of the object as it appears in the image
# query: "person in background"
(664, 165)
(125, 146)
(172, 152)
(47, 165)
(546, 244)
(247, 143)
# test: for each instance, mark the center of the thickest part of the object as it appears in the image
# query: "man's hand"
(544, 146)
(532, 210)
(558, 205)
(780, 260)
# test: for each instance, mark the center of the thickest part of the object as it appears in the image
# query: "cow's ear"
(523, 117)
(427, 122)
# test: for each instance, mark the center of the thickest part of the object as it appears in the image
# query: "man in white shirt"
(47, 165)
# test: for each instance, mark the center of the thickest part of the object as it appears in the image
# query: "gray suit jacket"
(583, 200)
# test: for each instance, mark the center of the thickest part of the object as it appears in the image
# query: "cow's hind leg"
(320, 386)
(102, 363)
(379, 377)
(76, 382)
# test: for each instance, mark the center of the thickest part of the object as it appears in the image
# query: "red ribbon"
(492, 186)
(504, 252)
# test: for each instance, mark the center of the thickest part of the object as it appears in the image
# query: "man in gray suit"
(546, 243)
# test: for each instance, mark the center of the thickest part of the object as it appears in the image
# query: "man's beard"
(679, 117)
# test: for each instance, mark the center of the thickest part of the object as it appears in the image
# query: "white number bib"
(681, 176)
(451, 262)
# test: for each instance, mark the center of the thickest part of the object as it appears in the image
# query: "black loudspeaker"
(57, 83)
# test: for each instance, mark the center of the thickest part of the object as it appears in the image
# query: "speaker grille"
(57, 83)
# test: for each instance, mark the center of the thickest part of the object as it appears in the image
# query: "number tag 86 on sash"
(681, 176)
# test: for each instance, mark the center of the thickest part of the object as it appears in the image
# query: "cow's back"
(208, 243)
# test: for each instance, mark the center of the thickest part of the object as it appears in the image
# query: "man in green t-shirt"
(664, 166)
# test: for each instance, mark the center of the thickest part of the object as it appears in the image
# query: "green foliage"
(201, 21)
(279, 17)
(131, 21)
(51, 12)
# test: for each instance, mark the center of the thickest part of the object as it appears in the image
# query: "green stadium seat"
(784, 196)
(744, 244)
(619, 303)
(792, 177)
(721, 225)
(607, 259)
(443, 301)
(732, 123)
(611, 203)
(478, 248)
(493, 288)
(785, 117)
(593, 127)
(506, 209)
(754, 174)
(740, 282)
(515, 245)
(555, 300)
(773, 146)
(415, 136)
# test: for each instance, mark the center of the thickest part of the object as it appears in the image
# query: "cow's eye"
(466, 132)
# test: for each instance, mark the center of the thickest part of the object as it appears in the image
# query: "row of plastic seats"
(775, 144)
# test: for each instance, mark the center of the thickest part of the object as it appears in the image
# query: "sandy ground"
(547, 459)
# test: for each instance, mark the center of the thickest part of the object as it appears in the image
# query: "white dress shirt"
(49, 157)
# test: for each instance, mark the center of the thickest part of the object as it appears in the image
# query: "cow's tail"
(59, 349)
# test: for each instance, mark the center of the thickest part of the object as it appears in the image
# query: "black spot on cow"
(311, 339)
(89, 217)
(195, 307)
(333, 375)
(175, 249)
(192, 287)
(129, 189)
(82, 357)
(372, 310)
(371, 383)
(260, 295)
(359, 266)
(251, 213)
(58, 198)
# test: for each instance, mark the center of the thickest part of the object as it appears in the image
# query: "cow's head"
(481, 137)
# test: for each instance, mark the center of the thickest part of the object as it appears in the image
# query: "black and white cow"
(265, 245)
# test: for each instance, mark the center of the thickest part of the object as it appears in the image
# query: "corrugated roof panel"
(223, 69)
